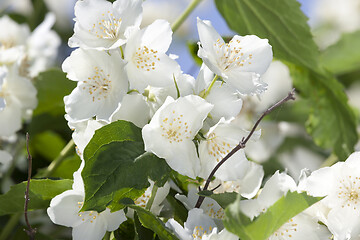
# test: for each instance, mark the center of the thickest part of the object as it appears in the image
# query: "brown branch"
(30, 231)
(242, 143)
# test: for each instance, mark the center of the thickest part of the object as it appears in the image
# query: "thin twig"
(242, 143)
(30, 231)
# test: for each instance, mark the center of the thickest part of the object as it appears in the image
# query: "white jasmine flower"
(340, 185)
(209, 206)
(239, 62)
(12, 40)
(133, 108)
(19, 95)
(103, 25)
(198, 226)
(147, 63)
(101, 84)
(171, 131)
(42, 46)
(220, 140)
(64, 210)
(227, 100)
(36, 51)
(160, 196)
(15, 34)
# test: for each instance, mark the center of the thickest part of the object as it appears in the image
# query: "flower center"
(174, 128)
(145, 58)
(107, 27)
(285, 231)
(217, 148)
(199, 232)
(98, 85)
(143, 199)
(7, 43)
(88, 216)
(349, 191)
(231, 55)
(212, 212)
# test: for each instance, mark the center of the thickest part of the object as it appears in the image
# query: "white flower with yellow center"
(198, 226)
(220, 140)
(171, 131)
(340, 185)
(36, 51)
(147, 63)
(12, 40)
(90, 225)
(240, 62)
(101, 84)
(102, 25)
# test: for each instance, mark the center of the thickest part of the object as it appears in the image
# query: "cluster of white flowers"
(124, 72)
(23, 55)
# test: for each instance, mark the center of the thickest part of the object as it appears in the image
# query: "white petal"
(247, 83)
(157, 36)
(159, 75)
(90, 230)
(321, 182)
(10, 120)
(259, 50)
(179, 231)
(113, 219)
(251, 182)
(170, 132)
(197, 219)
(64, 208)
(133, 108)
(227, 101)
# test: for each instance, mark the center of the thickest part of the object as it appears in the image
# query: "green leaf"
(343, 56)
(67, 167)
(126, 231)
(142, 233)
(266, 224)
(52, 86)
(120, 131)
(331, 122)
(41, 192)
(179, 212)
(152, 222)
(223, 199)
(116, 166)
(280, 21)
